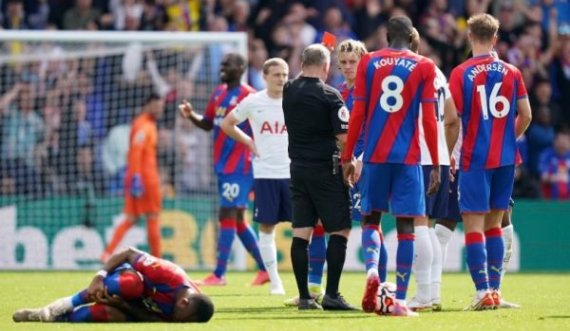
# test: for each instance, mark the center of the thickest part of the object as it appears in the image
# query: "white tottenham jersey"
(442, 95)
(265, 116)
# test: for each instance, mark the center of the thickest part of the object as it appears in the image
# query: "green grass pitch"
(544, 298)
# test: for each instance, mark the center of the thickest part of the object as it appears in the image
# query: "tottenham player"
(271, 162)
(428, 258)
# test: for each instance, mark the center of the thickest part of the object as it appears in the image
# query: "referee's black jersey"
(314, 115)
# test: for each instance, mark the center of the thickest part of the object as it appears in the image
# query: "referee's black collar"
(311, 78)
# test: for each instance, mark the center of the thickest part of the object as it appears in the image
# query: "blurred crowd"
(65, 121)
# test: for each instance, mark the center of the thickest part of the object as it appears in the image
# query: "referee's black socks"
(336, 254)
(300, 261)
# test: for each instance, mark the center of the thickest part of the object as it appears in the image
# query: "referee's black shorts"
(318, 194)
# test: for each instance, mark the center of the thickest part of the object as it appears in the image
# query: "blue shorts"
(482, 190)
(453, 213)
(234, 189)
(395, 187)
(355, 200)
(437, 204)
(272, 201)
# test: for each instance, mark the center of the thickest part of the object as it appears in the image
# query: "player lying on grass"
(133, 286)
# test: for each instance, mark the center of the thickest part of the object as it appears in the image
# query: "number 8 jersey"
(390, 86)
(485, 91)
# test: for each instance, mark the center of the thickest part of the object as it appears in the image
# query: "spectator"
(540, 136)
(555, 169)
(257, 56)
(114, 155)
(14, 17)
(297, 16)
(561, 77)
(124, 12)
(84, 16)
(153, 17)
(367, 17)
(22, 130)
(541, 97)
(185, 15)
(441, 31)
(239, 15)
(193, 165)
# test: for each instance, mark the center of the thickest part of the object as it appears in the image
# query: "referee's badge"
(343, 114)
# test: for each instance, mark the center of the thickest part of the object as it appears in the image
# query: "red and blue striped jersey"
(390, 86)
(230, 157)
(485, 91)
(346, 93)
(162, 281)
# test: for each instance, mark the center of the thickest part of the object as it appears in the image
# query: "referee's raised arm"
(317, 121)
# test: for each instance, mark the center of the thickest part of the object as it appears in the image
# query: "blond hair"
(272, 62)
(483, 27)
(352, 46)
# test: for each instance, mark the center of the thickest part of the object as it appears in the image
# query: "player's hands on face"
(185, 108)
(349, 173)
(434, 181)
(97, 286)
(110, 300)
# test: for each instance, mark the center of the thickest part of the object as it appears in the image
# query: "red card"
(329, 39)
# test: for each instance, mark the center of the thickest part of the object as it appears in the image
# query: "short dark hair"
(400, 29)
(204, 307)
(151, 97)
(237, 59)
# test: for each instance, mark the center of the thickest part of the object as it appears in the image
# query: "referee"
(317, 121)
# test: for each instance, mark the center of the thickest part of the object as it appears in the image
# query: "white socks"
(444, 236)
(268, 252)
(424, 260)
(436, 266)
(508, 233)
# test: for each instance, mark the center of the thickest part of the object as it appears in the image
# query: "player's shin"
(383, 262)
(508, 234)
(269, 254)
(436, 268)
(300, 261)
(495, 254)
(423, 262)
(404, 260)
(317, 258)
(249, 241)
(371, 247)
(225, 241)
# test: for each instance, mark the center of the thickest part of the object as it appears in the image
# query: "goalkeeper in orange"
(142, 182)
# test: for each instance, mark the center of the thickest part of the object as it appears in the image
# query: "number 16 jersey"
(485, 91)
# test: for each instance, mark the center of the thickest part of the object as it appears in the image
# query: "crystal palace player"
(491, 98)
(132, 287)
(232, 162)
(391, 84)
(375, 254)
